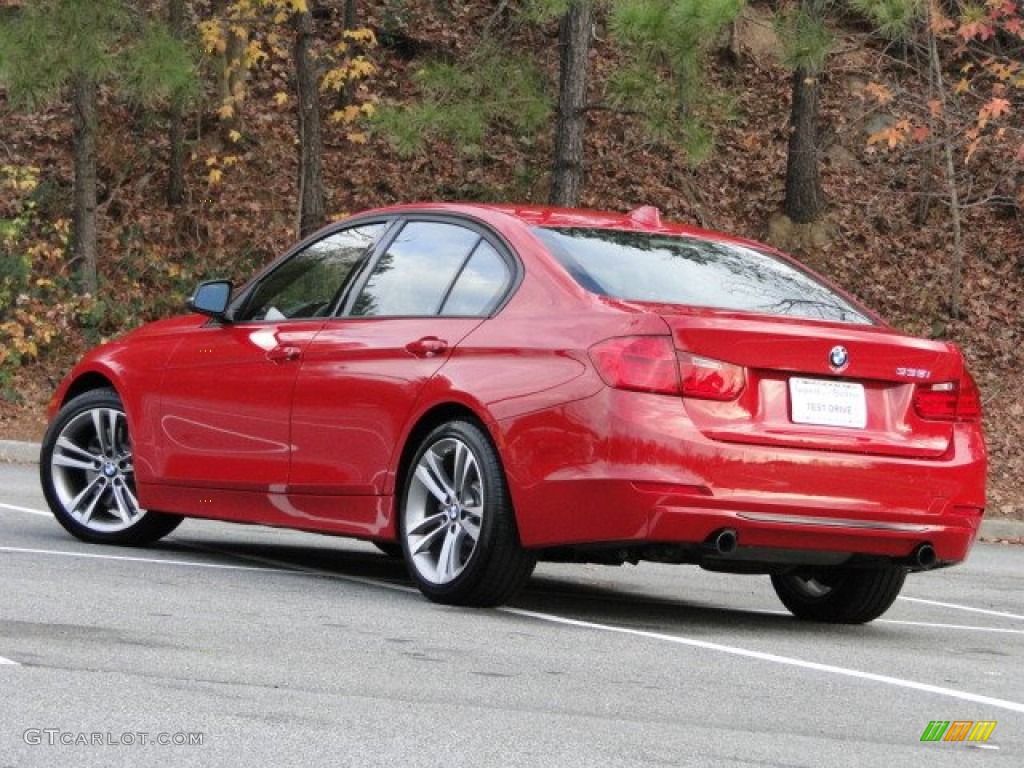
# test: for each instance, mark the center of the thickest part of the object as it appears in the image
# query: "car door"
(363, 372)
(226, 394)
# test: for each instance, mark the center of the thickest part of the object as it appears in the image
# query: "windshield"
(642, 266)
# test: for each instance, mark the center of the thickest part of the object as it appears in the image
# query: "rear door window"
(435, 268)
(480, 285)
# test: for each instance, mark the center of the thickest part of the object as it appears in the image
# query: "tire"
(88, 476)
(456, 522)
(839, 595)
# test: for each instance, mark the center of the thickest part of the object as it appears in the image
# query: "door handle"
(284, 354)
(428, 346)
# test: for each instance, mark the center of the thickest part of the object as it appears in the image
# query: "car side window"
(307, 284)
(416, 273)
(480, 285)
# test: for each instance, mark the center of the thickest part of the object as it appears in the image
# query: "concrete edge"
(17, 452)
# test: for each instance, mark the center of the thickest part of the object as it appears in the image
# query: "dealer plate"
(828, 403)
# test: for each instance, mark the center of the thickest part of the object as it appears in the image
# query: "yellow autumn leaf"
(254, 54)
(226, 112)
(357, 137)
(361, 35)
(280, 98)
(334, 80)
(346, 115)
(214, 176)
(211, 161)
(360, 67)
(234, 136)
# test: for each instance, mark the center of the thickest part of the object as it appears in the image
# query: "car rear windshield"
(643, 266)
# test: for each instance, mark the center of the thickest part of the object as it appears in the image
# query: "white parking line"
(8, 661)
(926, 624)
(958, 607)
(15, 508)
(285, 567)
(734, 650)
(934, 625)
(161, 561)
(1013, 706)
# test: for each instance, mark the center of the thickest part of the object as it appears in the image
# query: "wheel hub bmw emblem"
(838, 357)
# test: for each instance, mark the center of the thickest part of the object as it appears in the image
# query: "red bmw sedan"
(479, 387)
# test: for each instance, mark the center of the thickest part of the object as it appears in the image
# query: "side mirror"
(211, 298)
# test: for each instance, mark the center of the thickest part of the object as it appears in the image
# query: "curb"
(16, 452)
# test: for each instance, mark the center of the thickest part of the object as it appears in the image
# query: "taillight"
(709, 379)
(641, 363)
(969, 406)
(949, 400)
(652, 364)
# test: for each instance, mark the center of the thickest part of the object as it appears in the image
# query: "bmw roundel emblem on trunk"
(838, 357)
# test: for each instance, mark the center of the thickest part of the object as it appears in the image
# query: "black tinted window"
(414, 275)
(307, 284)
(641, 266)
(480, 284)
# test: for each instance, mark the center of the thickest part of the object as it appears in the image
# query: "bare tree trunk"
(574, 42)
(83, 248)
(348, 91)
(176, 131)
(311, 184)
(935, 69)
(231, 73)
(804, 198)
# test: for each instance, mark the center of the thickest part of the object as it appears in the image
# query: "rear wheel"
(87, 472)
(839, 595)
(458, 529)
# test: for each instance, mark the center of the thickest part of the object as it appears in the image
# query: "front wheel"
(457, 526)
(839, 595)
(87, 472)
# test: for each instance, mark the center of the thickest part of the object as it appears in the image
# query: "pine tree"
(666, 43)
(65, 49)
(806, 44)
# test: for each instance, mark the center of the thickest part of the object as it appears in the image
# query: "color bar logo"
(958, 730)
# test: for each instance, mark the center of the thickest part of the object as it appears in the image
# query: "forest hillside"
(203, 167)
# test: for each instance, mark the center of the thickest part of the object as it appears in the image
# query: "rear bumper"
(631, 468)
(951, 536)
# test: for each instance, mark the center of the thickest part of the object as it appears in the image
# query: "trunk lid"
(818, 385)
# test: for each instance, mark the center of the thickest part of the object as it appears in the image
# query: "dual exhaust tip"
(725, 541)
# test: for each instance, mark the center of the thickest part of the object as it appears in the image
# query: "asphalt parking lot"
(230, 644)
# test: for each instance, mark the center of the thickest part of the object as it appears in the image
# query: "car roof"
(643, 219)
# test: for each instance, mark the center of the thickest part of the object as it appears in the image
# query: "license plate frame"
(827, 403)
